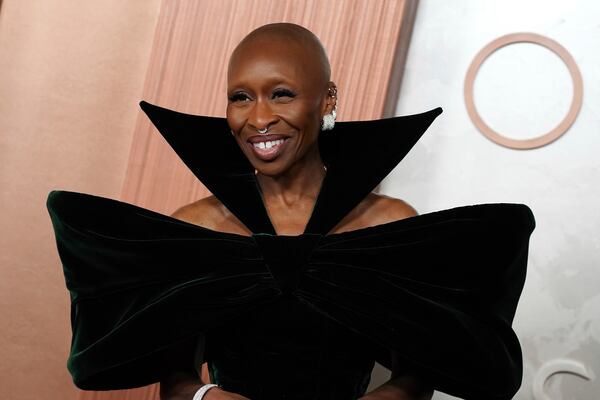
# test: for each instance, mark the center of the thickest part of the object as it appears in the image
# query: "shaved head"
(278, 82)
(310, 50)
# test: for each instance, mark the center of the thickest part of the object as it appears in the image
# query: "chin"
(269, 169)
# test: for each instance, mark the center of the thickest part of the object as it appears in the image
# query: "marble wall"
(523, 91)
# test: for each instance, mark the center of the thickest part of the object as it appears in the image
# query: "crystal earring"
(328, 121)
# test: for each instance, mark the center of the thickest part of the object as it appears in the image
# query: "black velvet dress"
(293, 317)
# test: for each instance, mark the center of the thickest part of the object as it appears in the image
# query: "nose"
(261, 116)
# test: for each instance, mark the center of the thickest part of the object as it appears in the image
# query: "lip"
(266, 138)
(267, 154)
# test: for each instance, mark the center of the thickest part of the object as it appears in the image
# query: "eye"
(284, 94)
(239, 97)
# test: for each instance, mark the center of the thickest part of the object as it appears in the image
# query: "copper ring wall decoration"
(546, 138)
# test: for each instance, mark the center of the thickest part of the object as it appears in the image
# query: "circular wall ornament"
(555, 367)
(546, 138)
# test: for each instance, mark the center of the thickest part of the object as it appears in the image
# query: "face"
(273, 85)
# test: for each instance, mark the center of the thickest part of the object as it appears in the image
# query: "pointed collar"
(358, 155)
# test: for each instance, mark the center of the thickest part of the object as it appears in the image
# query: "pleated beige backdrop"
(366, 41)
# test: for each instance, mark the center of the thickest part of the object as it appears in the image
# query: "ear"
(330, 98)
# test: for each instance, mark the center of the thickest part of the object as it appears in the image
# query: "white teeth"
(268, 145)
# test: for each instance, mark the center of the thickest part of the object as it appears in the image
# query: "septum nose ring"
(263, 131)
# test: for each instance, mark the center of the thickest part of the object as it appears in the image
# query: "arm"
(181, 385)
(183, 380)
(402, 384)
(403, 387)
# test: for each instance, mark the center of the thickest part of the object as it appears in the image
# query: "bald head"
(309, 49)
(278, 81)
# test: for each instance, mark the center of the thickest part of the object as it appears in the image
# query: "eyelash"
(284, 93)
(241, 96)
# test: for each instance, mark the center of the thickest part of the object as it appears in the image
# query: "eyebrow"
(271, 83)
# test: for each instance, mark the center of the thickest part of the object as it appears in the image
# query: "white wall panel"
(521, 90)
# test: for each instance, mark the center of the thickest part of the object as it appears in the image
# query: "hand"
(217, 393)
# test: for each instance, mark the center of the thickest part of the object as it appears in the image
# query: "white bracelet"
(202, 391)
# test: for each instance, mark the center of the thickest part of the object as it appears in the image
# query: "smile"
(266, 148)
(268, 145)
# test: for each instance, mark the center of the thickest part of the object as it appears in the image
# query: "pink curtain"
(366, 42)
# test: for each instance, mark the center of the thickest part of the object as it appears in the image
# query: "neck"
(301, 183)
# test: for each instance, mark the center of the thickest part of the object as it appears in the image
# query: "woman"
(279, 92)
(294, 278)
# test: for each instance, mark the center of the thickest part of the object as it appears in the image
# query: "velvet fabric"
(293, 317)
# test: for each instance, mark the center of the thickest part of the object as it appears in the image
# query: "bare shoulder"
(388, 209)
(210, 213)
(375, 209)
(202, 212)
